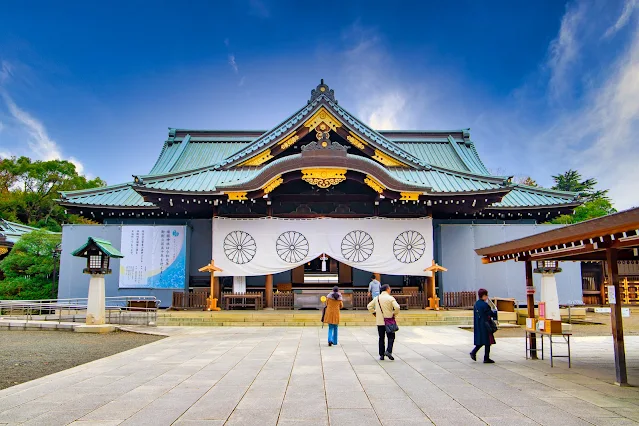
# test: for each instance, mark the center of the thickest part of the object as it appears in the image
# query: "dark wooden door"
(345, 274)
(297, 276)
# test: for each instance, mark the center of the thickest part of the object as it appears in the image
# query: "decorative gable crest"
(322, 89)
(324, 145)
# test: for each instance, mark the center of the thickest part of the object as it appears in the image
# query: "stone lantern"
(548, 269)
(97, 252)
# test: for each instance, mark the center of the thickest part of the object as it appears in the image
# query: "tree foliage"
(596, 204)
(571, 181)
(587, 211)
(29, 266)
(525, 180)
(29, 190)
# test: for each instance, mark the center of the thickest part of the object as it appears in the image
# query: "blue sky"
(544, 85)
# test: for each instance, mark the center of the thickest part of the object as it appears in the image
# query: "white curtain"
(239, 284)
(248, 247)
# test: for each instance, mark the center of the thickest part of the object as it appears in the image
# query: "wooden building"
(320, 162)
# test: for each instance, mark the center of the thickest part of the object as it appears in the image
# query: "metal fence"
(131, 310)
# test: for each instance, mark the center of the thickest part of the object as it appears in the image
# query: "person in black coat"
(482, 330)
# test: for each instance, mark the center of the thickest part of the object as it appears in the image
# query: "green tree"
(525, 180)
(571, 181)
(589, 210)
(29, 267)
(29, 190)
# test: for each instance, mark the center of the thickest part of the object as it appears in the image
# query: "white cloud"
(564, 49)
(39, 142)
(6, 71)
(233, 64)
(41, 146)
(612, 124)
(381, 99)
(629, 7)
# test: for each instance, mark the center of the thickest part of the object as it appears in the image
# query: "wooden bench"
(242, 301)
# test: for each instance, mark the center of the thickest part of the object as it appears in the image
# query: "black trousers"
(381, 331)
(486, 350)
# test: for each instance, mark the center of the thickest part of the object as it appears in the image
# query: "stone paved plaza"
(289, 376)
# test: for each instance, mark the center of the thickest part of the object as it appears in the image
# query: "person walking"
(483, 316)
(334, 302)
(384, 306)
(374, 287)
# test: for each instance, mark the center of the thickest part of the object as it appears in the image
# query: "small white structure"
(548, 269)
(97, 252)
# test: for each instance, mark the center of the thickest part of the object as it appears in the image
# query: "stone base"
(103, 328)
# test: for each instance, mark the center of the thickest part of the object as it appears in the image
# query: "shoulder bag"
(389, 323)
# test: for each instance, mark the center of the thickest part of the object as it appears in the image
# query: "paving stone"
(352, 417)
(302, 410)
(223, 374)
(348, 399)
(308, 422)
(253, 417)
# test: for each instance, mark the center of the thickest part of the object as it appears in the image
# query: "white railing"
(141, 310)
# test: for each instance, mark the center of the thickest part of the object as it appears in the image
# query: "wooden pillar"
(215, 288)
(530, 302)
(615, 317)
(268, 289)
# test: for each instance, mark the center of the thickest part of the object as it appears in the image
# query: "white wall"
(503, 279)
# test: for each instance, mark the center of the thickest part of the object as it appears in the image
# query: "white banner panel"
(271, 245)
(154, 257)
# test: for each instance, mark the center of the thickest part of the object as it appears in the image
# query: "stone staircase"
(306, 318)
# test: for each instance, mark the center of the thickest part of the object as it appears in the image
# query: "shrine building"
(321, 199)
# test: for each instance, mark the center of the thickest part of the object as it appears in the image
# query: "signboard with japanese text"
(154, 257)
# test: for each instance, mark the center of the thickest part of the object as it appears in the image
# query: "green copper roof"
(12, 231)
(211, 179)
(103, 245)
(115, 196)
(298, 117)
(530, 196)
(195, 152)
(446, 181)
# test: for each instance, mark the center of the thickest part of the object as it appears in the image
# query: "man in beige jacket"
(389, 308)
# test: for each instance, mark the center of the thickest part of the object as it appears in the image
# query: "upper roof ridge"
(322, 89)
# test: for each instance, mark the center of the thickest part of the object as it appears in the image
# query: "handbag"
(389, 323)
(492, 325)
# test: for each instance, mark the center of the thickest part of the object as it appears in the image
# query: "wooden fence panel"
(195, 300)
(459, 299)
(283, 300)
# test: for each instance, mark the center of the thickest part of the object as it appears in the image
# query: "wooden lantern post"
(212, 300)
(433, 300)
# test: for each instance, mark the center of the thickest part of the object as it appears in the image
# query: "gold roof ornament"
(274, 183)
(387, 160)
(237, 196)
(259, 159)
(410, 196)
(374, 183)
(289, 142)
(324, 178)
(356, 141)
(322, 116)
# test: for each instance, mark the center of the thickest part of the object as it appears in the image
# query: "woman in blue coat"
(483, 333)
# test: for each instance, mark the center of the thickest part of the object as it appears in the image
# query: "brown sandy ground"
(27, 355)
